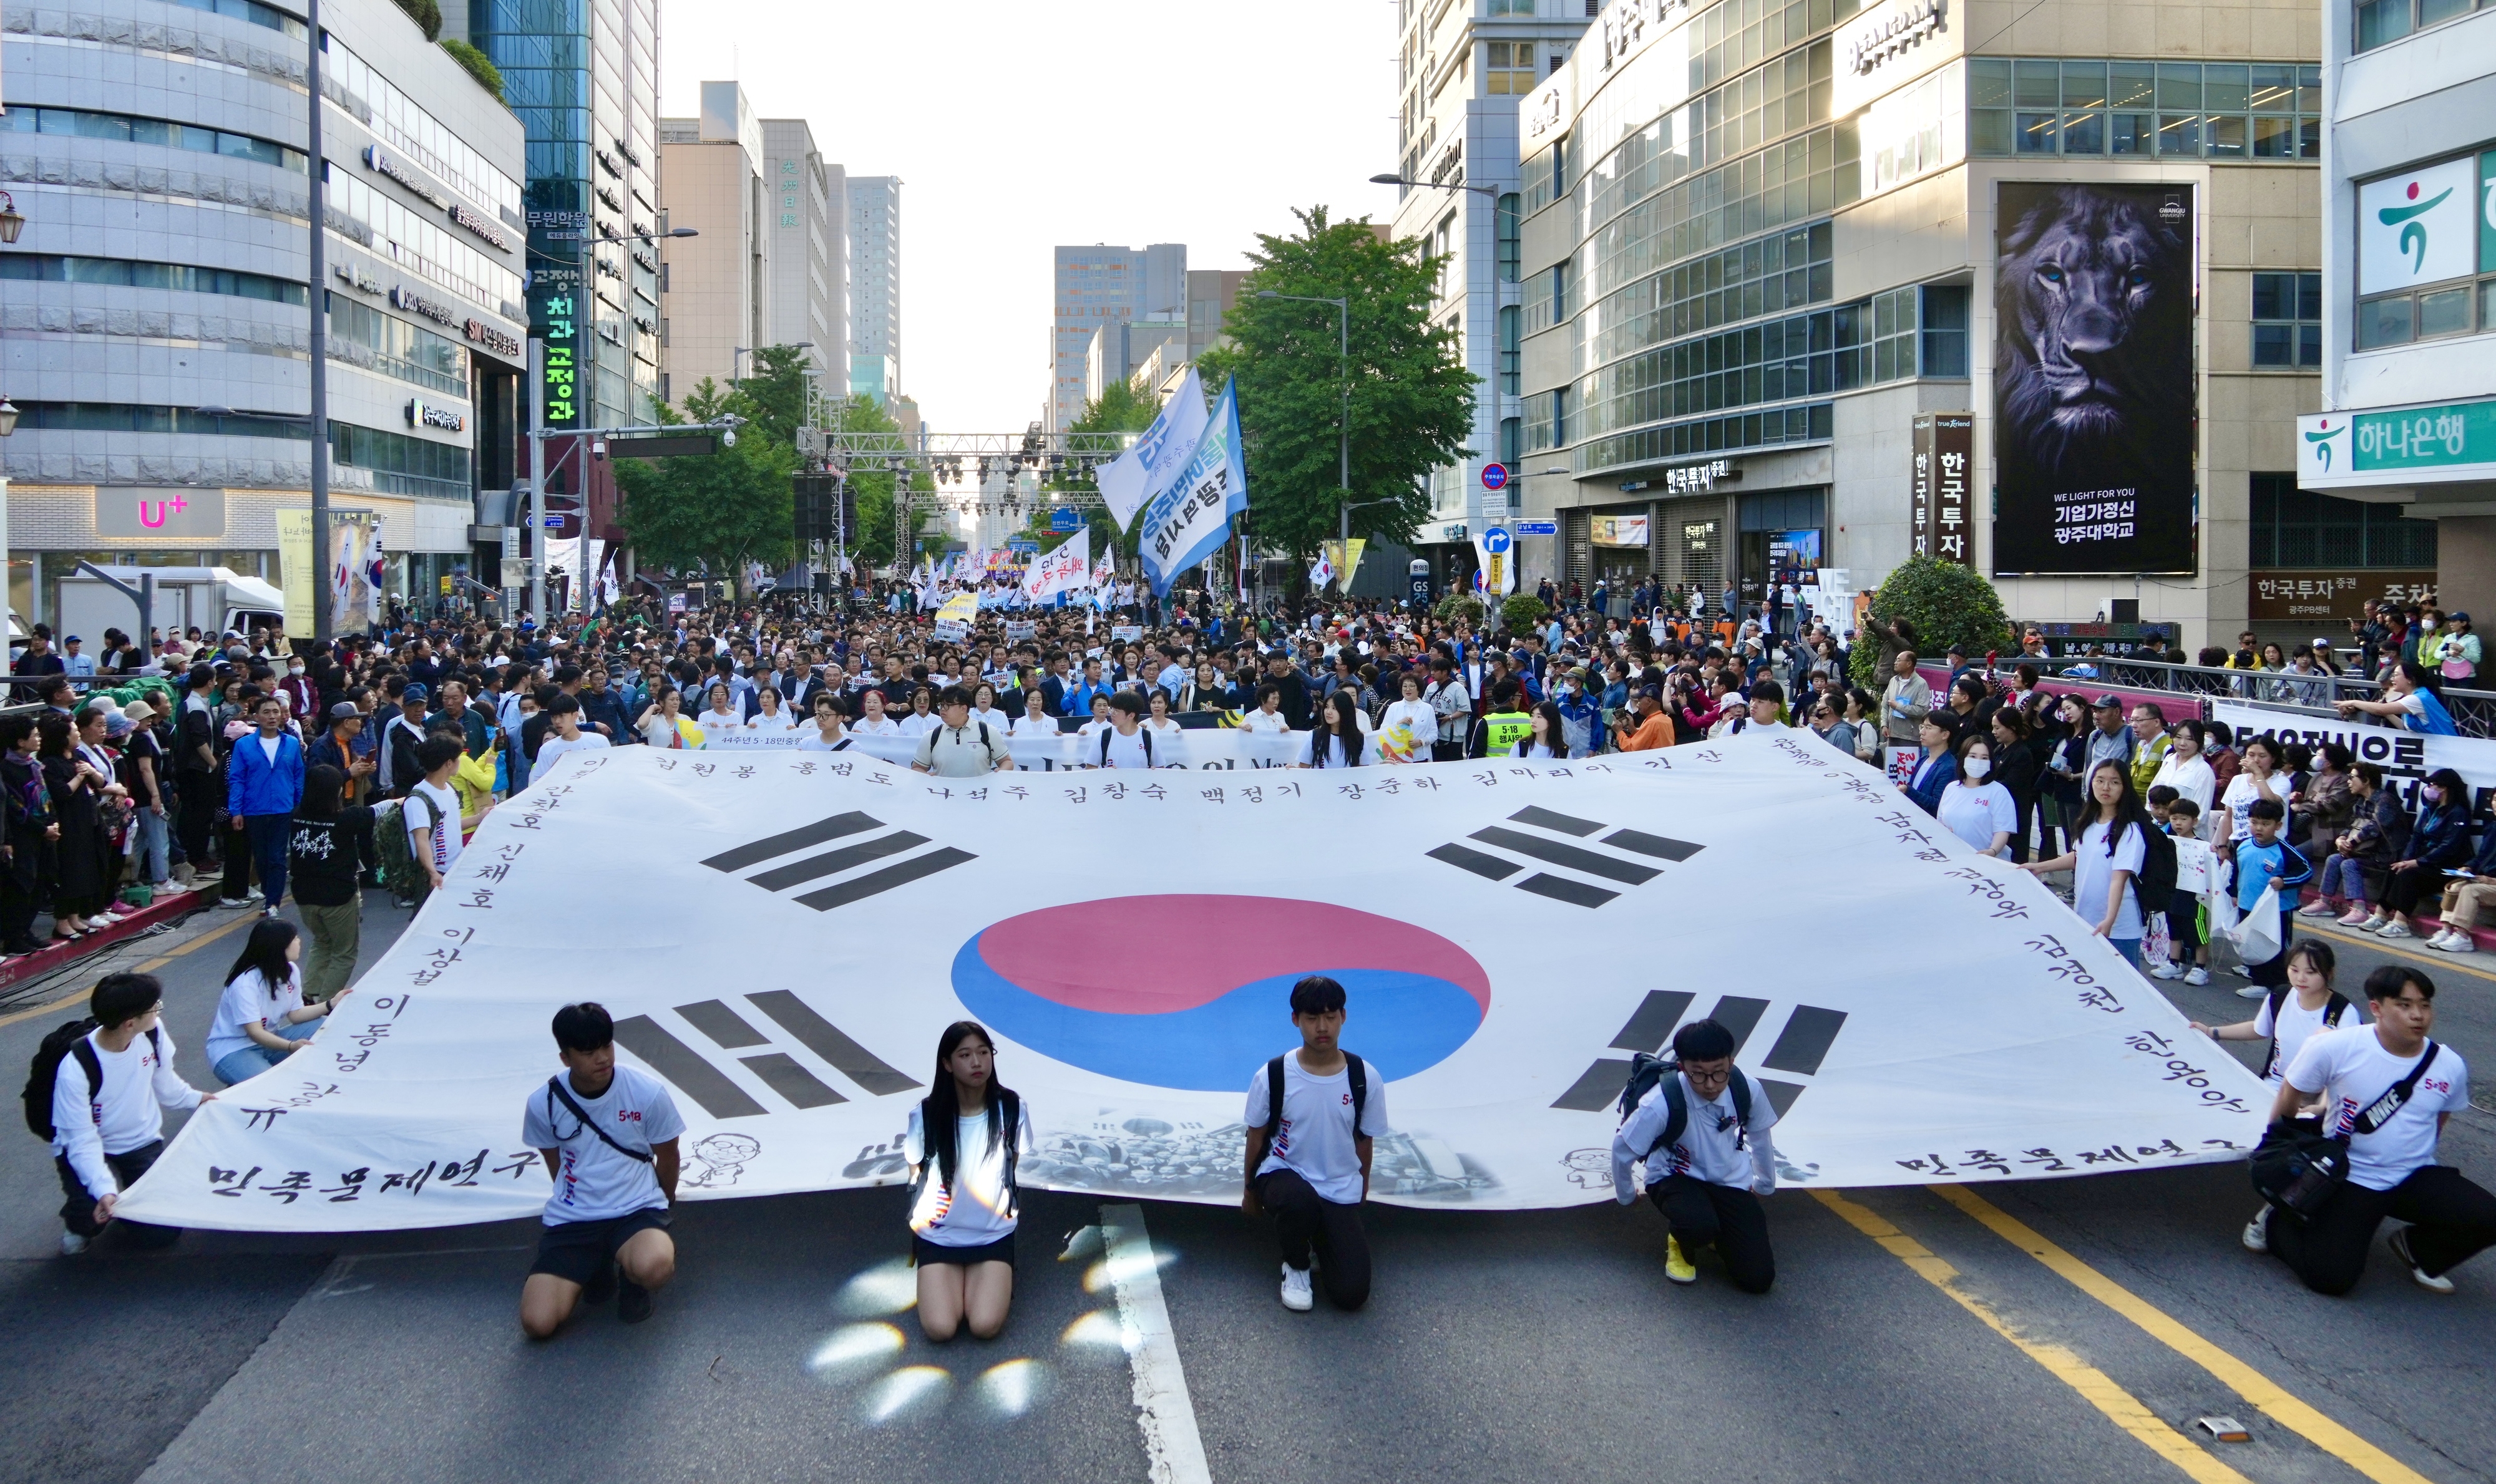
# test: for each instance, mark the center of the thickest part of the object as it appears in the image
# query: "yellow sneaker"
(1676, 1266)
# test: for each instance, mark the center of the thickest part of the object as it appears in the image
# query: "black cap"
(2105, 702)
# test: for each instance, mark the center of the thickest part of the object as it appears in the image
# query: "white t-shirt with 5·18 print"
(593, 1182)
(1315, 1139)
(2352, 1069)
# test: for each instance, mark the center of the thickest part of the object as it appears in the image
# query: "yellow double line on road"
(2094, 1385)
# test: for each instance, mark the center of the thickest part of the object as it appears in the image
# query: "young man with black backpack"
(1703, 1133)
(1311, 1119)
(98, 1090)
(608, 1135)
(2388, 1090)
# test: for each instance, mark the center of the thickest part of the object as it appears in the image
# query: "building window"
(361, 336)
(2218, 110)
(1511, 440)
(1512, 319)
(153, 131)
(1543, 185)
(2379, 21)
(1508, 8)
(1510, 67)
(1540, 408)
(1945, 329)
(1504, 225)
(2288, 319)
(2294, 527)
(39, 267)
(2425, 269)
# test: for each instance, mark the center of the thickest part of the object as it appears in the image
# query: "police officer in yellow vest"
(1506, 724)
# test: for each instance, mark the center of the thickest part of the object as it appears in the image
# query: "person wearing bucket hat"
(2461, 650)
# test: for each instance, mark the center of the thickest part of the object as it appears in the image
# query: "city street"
(2070, 1330)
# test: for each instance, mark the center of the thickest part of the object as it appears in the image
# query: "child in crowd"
(2266, 860)
(2187, 945)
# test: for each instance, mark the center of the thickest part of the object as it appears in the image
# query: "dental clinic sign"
(2419, 227)
(2452, 443)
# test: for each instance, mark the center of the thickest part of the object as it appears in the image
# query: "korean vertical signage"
(557, 311)
(1943, 448)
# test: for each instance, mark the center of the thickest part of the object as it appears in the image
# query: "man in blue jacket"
(263, 779)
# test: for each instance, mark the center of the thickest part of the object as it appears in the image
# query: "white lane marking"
(1174, 1452)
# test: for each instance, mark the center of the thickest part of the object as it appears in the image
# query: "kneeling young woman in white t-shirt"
(964, 1140)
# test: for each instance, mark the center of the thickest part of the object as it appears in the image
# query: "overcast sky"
(1015, 125)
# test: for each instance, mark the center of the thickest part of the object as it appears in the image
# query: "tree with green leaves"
(1930, 605)
(1412, 399)
(874, 543)
(717, 511)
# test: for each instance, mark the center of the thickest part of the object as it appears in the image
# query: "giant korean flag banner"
(1190, 520)
(1504, 931)
(1160, 456)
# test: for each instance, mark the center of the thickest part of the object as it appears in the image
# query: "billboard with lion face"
(2093, 382)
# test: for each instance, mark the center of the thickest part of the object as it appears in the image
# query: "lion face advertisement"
(2093, 386)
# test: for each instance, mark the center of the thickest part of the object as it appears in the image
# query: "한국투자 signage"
(424, 415)
(2451, 444)
(1698, 479)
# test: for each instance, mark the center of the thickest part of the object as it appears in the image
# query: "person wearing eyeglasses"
(1701, 1134)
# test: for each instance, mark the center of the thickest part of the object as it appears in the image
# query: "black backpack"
(1275, 1092)
(68, 1039)
(1646, 1072)
(2156, 883)
(2331, 1013)
(1106, 732)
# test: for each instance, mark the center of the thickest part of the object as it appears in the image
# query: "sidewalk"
(172, 906)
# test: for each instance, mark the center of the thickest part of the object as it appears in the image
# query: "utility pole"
(318, 302)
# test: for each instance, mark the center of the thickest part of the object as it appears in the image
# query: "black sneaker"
(598, 1289)
(632, 1302)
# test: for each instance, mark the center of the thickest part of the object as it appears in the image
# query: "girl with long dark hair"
(2109, 844)
(1338, 732)
(964, 1140)
(262, 1018)
(1549, 736)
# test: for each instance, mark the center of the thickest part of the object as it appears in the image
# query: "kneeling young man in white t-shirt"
(609, 1135)
(1311, 1118)
(1706, 1175)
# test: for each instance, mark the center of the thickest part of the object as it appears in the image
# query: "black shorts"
(928, 1253)
(577, 1251)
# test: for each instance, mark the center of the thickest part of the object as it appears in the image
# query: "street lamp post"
(1434, 185)
(1343, 372)
(319, 342)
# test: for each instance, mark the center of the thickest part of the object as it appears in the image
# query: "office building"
(1821, 289)
(1100, 287)
(2407, 318)
(157, 316)
(1210, 294)
(809, 249)
(875, 286)
(1122, 347)
(586, 81)
(1462, 71)
(718, 298)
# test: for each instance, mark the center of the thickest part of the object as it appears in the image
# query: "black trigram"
(692, 1071)
(1809, 1032)
(899, 846)
(1625, 862)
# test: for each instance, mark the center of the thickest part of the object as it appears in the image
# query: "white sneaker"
(2395, 929)
(2251, 992)
(1295, 1289)
(2459, 943)
(2167, 971)
(2417, 1275)
(2374, 924)
(72, 1244)
(2196, 974)
(2257, 1237)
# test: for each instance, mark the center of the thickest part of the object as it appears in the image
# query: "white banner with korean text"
(2405, 756)
(1979, 1033)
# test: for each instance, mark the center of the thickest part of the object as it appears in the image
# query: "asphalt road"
(1908, 1336)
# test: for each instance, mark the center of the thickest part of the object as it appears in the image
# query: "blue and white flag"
(1191, 519)
(1137, 477)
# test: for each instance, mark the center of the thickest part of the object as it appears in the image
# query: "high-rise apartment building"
(875, 286)
(1101, 287)
(1210, 294)
(159, 299)
(809, 249)
(1811, 285)
(1462, 70)
(2406, 312)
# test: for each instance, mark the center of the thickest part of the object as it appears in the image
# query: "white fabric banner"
(1210, 747)
(1973, 1030)
(2405, 756)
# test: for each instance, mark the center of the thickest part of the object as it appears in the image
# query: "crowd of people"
(316, 771)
